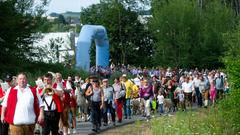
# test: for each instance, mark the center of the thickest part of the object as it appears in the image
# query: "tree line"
(178, 33)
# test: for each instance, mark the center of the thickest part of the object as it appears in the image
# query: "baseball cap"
(124, 75)
(105, 80)
(8, 78)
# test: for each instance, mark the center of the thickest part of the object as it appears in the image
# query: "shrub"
(36, 69)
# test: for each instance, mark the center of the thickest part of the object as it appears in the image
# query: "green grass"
(221, 119)
(186, 123)
(210, 121)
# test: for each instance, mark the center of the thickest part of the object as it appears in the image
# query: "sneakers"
(105, 124)
(37, 131)
(74, 131)
(60, 132)
(148, 118)
(69, 131)
(96, 129)
(88, 118)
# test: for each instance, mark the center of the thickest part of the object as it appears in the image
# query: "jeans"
(108, 106)
(199, 96)
(96, 114)
(127, 108)
(160, 108)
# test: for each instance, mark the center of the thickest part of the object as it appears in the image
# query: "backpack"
(122, 93)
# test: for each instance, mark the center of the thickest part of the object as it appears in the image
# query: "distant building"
(55, 47)
(72, 18)
(144, 16)
(51, 19)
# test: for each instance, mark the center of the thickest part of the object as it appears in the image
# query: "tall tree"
(234, 4)
(61, 19)
(189, 36)
(20, 19)
(231, 60)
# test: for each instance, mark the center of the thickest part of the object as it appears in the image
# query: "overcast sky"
(61, 6)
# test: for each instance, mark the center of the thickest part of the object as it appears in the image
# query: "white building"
(55, 47)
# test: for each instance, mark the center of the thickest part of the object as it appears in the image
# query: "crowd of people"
(54, 103)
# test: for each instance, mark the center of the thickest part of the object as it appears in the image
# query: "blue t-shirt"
(219, 83)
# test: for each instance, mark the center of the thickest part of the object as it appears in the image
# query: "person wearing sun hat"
(97, 103)
(128, 85)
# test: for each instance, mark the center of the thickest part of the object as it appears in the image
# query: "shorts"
(188, 96)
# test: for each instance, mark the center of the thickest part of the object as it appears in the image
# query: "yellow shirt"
(129, 88)
(135, 91)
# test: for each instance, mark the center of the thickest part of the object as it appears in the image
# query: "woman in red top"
(64, 120)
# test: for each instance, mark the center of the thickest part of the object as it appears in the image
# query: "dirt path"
(138, 128)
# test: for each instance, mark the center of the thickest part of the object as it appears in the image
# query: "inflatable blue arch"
(89, 33)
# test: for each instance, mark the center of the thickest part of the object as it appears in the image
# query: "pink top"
(212, 88)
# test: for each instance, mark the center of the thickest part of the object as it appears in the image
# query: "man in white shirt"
(196, 83)
(21, 107)
(137, 81)
(188, 88)
(168, 73)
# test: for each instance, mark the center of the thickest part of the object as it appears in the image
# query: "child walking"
(160, 99)
(181, 100)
